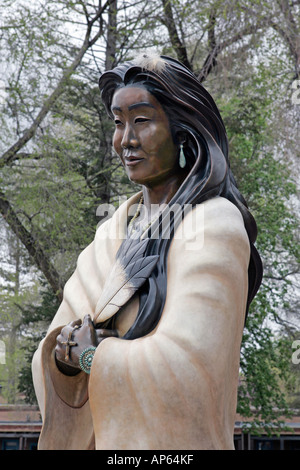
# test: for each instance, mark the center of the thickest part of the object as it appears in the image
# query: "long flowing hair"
(191, 111)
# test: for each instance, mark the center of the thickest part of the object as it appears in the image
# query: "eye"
(140, 119)
(118, 122)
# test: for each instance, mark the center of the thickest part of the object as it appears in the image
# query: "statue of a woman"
(143, 352)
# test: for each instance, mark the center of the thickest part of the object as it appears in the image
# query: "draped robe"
(176, 387)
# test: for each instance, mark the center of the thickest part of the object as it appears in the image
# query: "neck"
(162, 193)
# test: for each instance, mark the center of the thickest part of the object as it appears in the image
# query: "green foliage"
(266, 183)
(36, 319)
(265, 367)
(67, 169)
(15, 293)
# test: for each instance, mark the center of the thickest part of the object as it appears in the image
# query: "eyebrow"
(135, 105)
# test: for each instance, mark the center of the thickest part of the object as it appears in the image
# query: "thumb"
(87, 320)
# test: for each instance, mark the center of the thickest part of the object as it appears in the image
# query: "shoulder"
(217, 215)
(221, 209)
(214, 222)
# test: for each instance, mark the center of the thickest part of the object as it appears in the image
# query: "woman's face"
(142, 137)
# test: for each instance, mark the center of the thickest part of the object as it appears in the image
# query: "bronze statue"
(143, 352)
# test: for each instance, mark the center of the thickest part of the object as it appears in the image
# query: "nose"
(129, 138)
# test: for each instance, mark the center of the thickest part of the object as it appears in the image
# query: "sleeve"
(74, 306)
(63, 400)
(176, 388)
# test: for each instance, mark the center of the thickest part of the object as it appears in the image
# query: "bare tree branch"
(210, 60)
(111, 36)
(176, 42)
(88, 42)
(33, 247)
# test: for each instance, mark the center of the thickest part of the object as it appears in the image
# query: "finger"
(66, 329)
(87, 320)
(62, 337)
(76, 323)
(59, 338)
(59, 353)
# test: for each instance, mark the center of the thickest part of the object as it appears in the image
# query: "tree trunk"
(33, 247)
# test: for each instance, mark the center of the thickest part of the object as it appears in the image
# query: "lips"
(131, 160)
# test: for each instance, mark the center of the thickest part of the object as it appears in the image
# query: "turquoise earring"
(182, 160)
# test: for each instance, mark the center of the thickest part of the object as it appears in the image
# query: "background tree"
(57, 164)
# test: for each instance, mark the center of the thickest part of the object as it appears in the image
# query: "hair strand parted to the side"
(192, 111)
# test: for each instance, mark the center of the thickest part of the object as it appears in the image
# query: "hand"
(73, 339)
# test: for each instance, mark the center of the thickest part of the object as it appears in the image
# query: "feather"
(128, 274)
(150, 61)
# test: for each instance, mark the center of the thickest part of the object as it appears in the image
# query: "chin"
(136, 178)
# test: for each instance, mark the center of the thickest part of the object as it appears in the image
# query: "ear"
(181, 137)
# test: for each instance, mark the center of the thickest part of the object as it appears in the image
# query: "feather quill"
(128, 274)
